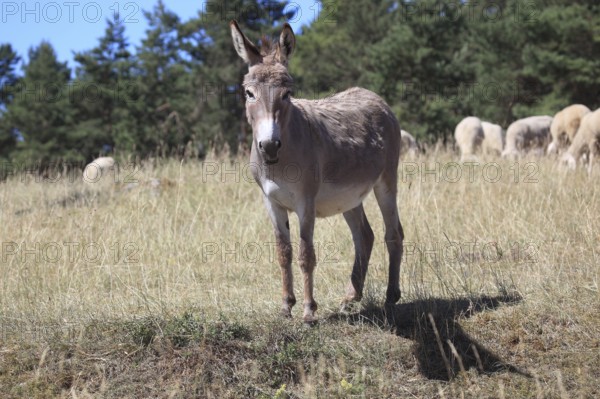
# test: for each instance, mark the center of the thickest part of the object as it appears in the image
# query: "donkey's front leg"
(279, 218)
(308, 260)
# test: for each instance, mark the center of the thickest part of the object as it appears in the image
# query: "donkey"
(319, 158)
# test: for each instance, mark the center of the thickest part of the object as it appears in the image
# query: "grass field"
(116, 291)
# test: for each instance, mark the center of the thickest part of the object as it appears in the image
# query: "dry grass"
(174, 292)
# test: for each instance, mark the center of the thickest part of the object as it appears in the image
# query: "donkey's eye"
(249, 95)
(286, 95)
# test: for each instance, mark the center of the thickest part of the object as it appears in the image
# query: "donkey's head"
(267, 87)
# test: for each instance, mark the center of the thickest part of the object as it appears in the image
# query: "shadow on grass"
(442, 348)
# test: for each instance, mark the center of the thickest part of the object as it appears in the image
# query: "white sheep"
(493, 138)
(409, 145)
(469, 136)
(99, 167)
(564, 127)
(525, 135)
(587, 139)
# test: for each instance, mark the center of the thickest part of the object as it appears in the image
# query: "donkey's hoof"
(310, 320)
(348, 306)
(392, 297)
(286, 313)
(353, 294)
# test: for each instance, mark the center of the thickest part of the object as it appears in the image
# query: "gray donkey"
(317, 159)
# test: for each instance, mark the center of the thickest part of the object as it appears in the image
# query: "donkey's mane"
(269, 50)
(268, 46)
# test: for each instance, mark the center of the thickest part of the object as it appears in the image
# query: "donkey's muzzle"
(269, 149)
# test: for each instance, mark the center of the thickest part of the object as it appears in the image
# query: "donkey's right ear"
(244, 47)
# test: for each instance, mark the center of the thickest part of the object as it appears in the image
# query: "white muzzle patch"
(267, 131)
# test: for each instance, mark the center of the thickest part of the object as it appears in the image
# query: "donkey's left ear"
(287, 43)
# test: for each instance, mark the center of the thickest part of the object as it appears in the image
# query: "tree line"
(178, 92)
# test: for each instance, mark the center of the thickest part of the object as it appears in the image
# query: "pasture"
(175, 292)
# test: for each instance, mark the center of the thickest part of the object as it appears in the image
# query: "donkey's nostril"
(278, 143)
(260, 145)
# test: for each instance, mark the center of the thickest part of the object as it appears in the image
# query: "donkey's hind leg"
(363, 238)
(385, 192)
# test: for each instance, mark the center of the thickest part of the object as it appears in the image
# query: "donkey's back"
(354, 118)
(354, 128)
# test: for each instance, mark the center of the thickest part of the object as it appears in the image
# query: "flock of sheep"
(573, 133)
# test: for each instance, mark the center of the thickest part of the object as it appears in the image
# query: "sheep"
(530, 134)
(493, 138)
(99, 167)
(469, 136)
(586, 139)
(409, 145)
(564, 127)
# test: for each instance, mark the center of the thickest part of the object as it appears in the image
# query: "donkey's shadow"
(441, 347)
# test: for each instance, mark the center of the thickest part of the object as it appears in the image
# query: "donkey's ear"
(287, 43)
(244, 47)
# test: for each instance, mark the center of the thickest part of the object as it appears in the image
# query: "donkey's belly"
(332, 199)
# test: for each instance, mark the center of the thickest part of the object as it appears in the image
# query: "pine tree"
(563, 54)
(40, 112)
(101, 90)
(334, 51)
(163, 83)
(8, 75)
(8, 82)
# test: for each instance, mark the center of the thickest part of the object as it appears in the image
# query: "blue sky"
(71, 25)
